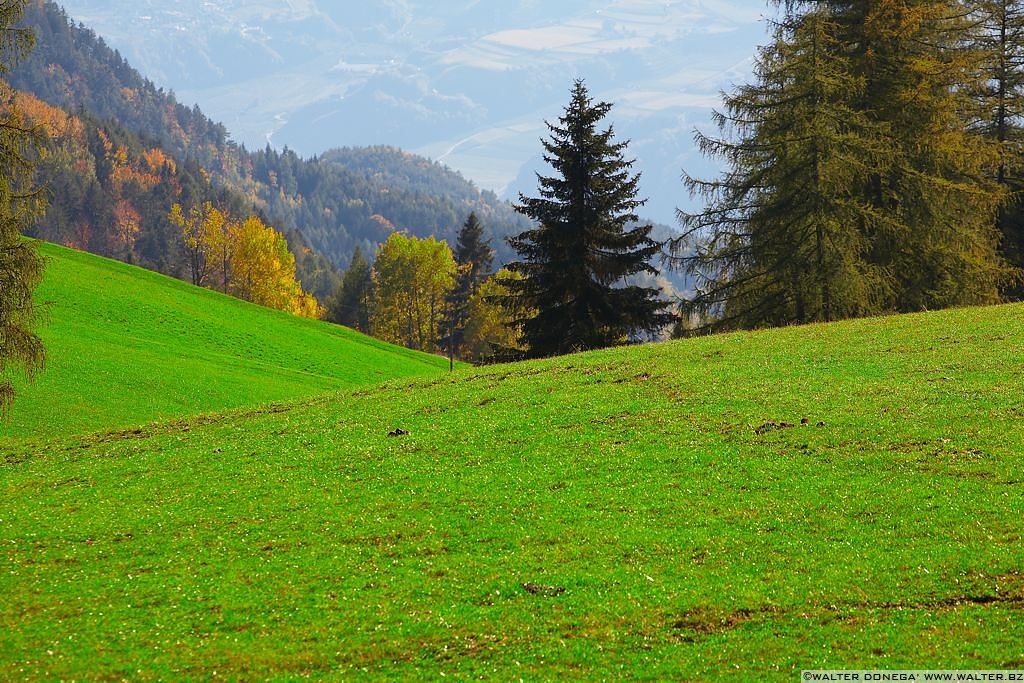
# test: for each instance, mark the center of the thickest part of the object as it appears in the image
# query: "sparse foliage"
(196, 227)
(21, 267)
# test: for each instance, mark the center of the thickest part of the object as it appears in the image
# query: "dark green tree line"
(352, 304)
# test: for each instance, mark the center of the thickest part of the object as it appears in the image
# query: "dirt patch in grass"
(542, 591)
(704, 621)
(707, 620)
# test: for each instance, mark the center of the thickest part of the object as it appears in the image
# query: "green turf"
(657, 512)
(127, 346)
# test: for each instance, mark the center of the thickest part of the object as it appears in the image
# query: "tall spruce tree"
(474, 259)
(472, 250)
(21, 268)
(783, 238)
(577, 262)
(352, 303)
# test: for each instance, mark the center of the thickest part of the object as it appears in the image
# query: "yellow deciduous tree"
(194, 227)
(263, 270)
(247, 259)
(215, 233)
(412, 278)
(491, 332)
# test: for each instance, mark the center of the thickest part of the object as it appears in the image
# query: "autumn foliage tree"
(127, 219)
(491, 331)
(412, 279)
(263, 269)
(198, 227)
(247, 259)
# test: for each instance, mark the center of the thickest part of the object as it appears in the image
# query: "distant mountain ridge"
(465, 82)
(334, 208)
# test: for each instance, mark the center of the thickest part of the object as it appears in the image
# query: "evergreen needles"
(21, 268)
(855, 185)
(577, 263)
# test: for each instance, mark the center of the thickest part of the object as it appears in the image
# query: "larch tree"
(784, 235)
(21, 267)
(1000, 38)
(939, 242)
(855, 184)
(576, 264)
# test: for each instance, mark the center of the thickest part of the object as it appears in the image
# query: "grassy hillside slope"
(661, 512)
(126, 346)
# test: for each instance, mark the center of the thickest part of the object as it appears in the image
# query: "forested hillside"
(111, 192)
(345, 199)
(359, 196)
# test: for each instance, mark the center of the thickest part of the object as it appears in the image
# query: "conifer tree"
(577, 262)
(1000, 38)
(352, 302)
(854, 185)
(938, 240)
(21, 268)
(473, 258)
(783, 238)
(471, 249)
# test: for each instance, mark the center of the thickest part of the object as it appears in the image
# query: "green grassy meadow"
(831, 496)
(127, 346)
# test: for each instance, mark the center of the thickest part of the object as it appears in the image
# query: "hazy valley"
(466, 83)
